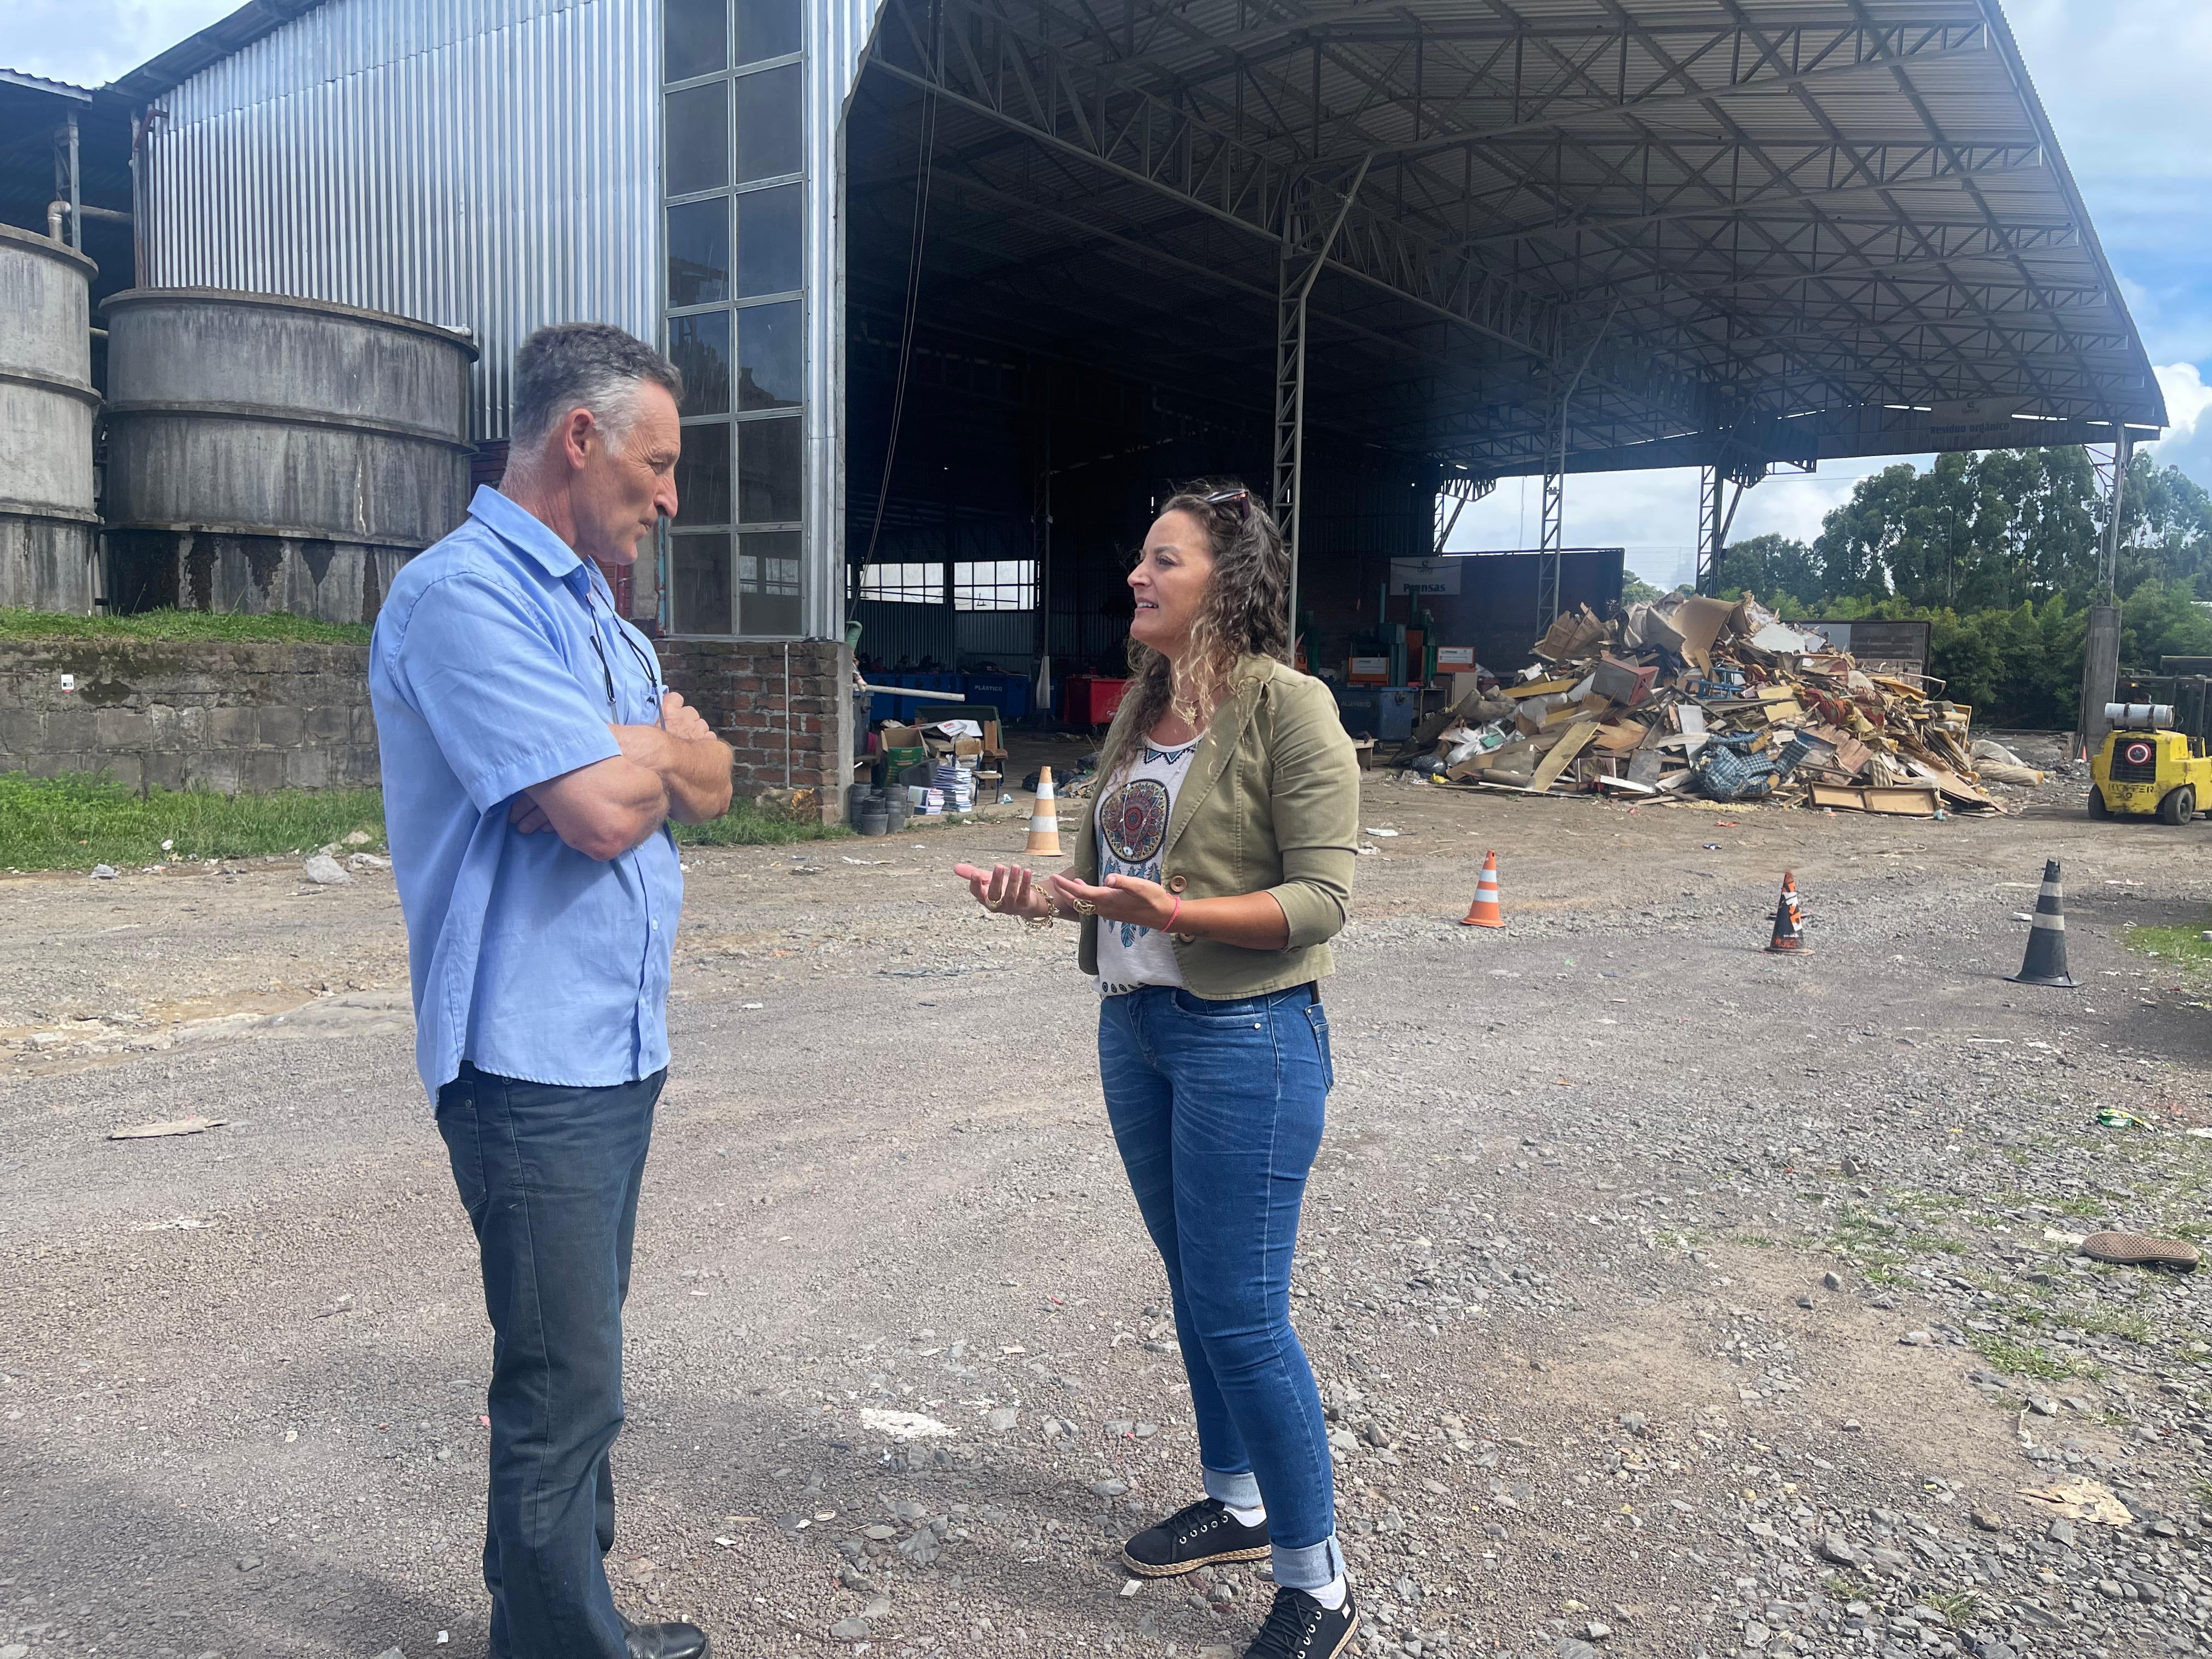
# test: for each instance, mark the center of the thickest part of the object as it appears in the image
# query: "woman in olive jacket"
(1210, 877)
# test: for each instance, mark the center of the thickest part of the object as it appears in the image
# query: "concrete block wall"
(233, 718)
(756, 692)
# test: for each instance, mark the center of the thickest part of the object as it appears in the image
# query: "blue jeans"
(549, 1177)
(1217, 1108)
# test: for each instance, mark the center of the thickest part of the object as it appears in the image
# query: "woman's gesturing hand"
(1007, 889)
(1123, 898)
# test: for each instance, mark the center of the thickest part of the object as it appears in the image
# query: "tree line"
(2002, 551)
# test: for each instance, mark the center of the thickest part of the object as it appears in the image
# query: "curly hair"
(1242, 613)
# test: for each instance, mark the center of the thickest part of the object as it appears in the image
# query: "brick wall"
(228, 717)
(740, 686)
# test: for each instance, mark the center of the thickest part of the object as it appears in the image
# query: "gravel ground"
(1669, 1297)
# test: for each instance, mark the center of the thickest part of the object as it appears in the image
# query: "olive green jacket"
(1271, 803)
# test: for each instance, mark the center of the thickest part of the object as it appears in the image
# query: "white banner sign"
(1425, 575)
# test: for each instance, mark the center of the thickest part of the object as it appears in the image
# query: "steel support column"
(1550, 534)
(2100, 655)
(1711, 532)
(1306, 243)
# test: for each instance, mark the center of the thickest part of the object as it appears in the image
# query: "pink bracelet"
(1173, 914)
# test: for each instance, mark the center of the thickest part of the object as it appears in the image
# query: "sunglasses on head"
(1241, 497)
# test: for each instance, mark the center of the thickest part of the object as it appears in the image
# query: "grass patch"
(2134, 1328)
(75, 822)
(2087, 1209)
(2018, 1359)
(746, 824)
(1844, 1588)
(179, 625)
(1960, 1607)
(1756, 1240)
(2179, 946)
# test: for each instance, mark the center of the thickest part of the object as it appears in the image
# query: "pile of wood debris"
(1715, 699)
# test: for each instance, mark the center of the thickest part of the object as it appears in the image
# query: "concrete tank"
(49, 532)
(268, 453)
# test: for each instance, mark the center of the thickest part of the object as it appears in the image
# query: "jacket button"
(1176, 884)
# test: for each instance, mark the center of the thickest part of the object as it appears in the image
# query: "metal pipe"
(75, 191)
(786, 718)
(55, 212)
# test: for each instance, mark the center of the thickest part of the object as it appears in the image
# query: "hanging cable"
(924, 168)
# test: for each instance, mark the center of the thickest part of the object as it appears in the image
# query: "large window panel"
(699, 252)
(771, 247)
(770, 476)
(994, 585)
(771, 141)
(771, 355)
(699, 138)
(700, 346)
(735, 317)
(768, 582)
(700, 597)
(767, 28)
(904, 582)
(702, 475)
(695, 38)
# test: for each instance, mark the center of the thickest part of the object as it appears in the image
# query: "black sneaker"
(1299, 1627)
(1201, 1535)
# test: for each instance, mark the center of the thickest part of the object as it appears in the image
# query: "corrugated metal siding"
(491, 163)
(961, 638)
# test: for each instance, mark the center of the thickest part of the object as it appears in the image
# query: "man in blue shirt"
(532, 759)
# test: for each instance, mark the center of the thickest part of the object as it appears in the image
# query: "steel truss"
(1835, 206)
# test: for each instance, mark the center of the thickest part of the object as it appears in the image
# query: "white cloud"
(90, 42)
(2187, 396)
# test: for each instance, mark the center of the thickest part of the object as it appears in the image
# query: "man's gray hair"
(594, 365)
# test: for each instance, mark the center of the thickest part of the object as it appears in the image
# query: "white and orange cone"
(1044, 820)
(1484, 912)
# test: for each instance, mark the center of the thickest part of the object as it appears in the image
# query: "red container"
(1087, 700)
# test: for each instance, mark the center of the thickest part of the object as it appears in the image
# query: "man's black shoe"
(664, 1641)
(1202, 1535)
(1299, 1627)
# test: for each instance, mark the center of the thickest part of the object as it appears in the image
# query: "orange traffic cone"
(1789, 921)
(1484, 912)
(1044, 820)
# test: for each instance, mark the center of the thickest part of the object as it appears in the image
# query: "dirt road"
(1562, 1273)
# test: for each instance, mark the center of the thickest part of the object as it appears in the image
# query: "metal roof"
(211, 45)
(24, 78)
(1773, 229)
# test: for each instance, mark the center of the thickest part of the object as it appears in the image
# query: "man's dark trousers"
(549, 1177)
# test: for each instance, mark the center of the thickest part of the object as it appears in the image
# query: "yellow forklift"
(2154, 760)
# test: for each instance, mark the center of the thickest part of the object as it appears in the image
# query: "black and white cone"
(2045, 963)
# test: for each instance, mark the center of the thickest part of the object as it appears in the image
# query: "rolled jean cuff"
(1310, 1566)
(1239, 1490)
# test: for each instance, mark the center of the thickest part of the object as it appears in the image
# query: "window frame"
(1023, 585)
(735, 531)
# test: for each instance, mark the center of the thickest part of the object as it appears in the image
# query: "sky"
(2125, 85)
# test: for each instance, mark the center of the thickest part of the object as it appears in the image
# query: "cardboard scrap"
(183, 1126)
(1548, 769)
(1910, 800)
(2077, 1500)
(1697, 696)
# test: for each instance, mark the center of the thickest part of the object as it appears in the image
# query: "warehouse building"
(958, 286)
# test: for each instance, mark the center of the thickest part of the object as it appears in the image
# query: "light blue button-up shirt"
(529, 959)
